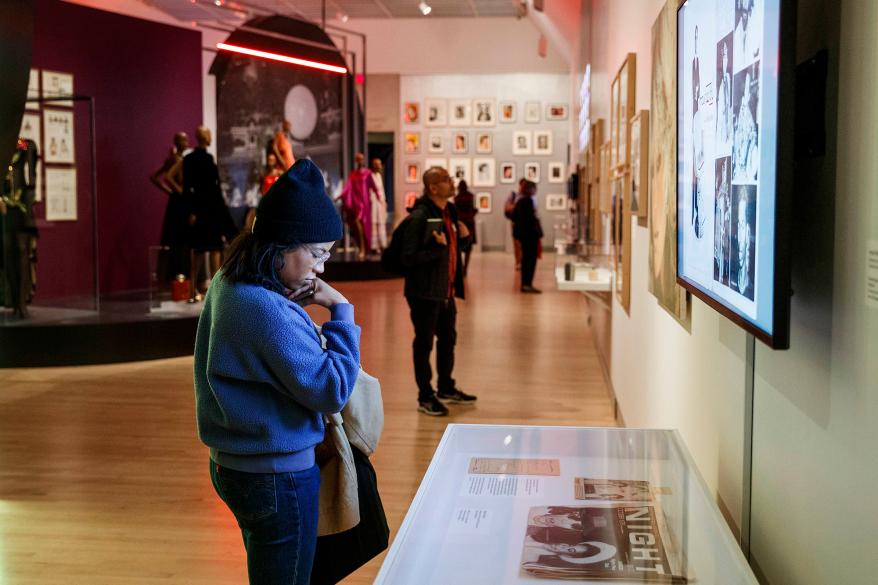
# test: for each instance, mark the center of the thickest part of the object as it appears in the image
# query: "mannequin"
(356, 206)
(211, 223)
(19, 229)
(175, 227)
(378, 201)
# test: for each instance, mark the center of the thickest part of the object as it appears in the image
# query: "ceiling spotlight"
(425, 8)
(341, 16)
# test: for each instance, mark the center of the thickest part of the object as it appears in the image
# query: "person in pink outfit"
(356, 204)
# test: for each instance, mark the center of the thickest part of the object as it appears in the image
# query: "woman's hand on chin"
(316, 292)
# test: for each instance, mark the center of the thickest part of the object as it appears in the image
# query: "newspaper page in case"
(618, 490)
(609, 542)
(490, 465)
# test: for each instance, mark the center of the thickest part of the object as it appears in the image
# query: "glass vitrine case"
(512, 504)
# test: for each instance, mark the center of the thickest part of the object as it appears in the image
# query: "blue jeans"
(277, 514)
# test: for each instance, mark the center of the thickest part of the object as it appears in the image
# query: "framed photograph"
(556, 112)
(483, 202)
(413, 172)
(410, 198)
(484, 172)
(411, 113)
(532, 171)
(442, 163)
(640, 166)
(460, 169)
(436, 112)
(507, 172)
(484, 112)
(60, 194)
(614, 121)
(532, 112)
(33, 90)
(543, 142)
(508, 112)
(436, 143)
(604, 177)
(460, 113)
(521, 140)
(621, 241)
(484, 143)
(31, 129)
(460, 143)
(556, 202)
(623, 110)
(58, 142)
(57, 84)
(556, 172)
(412, 142)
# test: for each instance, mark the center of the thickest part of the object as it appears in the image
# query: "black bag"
(339, 555)
(391, 257)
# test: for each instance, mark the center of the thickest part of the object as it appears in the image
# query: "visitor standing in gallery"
(465, 202)
(508, 208)
(263, 381)
(433, 278)
(529, 232)
(212, 224)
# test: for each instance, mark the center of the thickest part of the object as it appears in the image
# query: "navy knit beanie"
(296, 210)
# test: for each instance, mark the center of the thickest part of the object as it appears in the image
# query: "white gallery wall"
(815, 519)
(428, 46)
(518, 88)
(662, 375)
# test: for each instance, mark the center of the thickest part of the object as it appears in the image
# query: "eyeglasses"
(319, 254)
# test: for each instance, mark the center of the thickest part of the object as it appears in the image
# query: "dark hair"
(462, 187)
(255, 262)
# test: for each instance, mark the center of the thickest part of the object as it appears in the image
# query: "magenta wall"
(146, 79)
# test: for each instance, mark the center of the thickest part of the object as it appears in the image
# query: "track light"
(425, 8)
(341, 16)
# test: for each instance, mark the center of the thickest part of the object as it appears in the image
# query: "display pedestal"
(515, 504)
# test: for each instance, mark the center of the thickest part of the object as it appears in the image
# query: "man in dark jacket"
(527, 230)
(434, 276)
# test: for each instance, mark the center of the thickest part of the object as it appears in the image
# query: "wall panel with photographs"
(729, 178)
(490, 131)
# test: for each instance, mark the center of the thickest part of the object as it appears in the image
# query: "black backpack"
(391, 257)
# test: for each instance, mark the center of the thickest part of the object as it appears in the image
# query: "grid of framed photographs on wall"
(50, 125)
(477, 135)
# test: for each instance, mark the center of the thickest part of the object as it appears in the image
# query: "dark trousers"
(433, 319)
(529, 251)
(277, 514)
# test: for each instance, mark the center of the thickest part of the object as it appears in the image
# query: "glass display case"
(582, 267)
(514, 504)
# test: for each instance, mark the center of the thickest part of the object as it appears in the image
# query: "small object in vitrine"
(569, 273)
(180, 288)
(620, 490)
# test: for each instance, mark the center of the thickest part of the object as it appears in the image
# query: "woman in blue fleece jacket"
(263, 380)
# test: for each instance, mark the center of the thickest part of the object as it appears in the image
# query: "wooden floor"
(103, 480)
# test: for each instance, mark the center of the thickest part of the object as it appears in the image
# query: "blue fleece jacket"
(262, 378)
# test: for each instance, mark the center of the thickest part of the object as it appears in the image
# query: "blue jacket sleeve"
(320, 380)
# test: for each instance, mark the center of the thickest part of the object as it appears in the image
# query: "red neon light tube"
(281, 58)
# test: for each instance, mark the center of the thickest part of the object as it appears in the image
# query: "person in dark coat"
(431, 255)
(466, 214)
(529, 232)
(211, 223)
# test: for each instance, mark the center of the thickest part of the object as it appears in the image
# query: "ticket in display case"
(519, 504)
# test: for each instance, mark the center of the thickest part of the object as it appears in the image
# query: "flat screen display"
(727, 164)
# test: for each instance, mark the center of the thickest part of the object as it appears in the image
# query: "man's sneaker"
(432, 407)
(457, 397)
